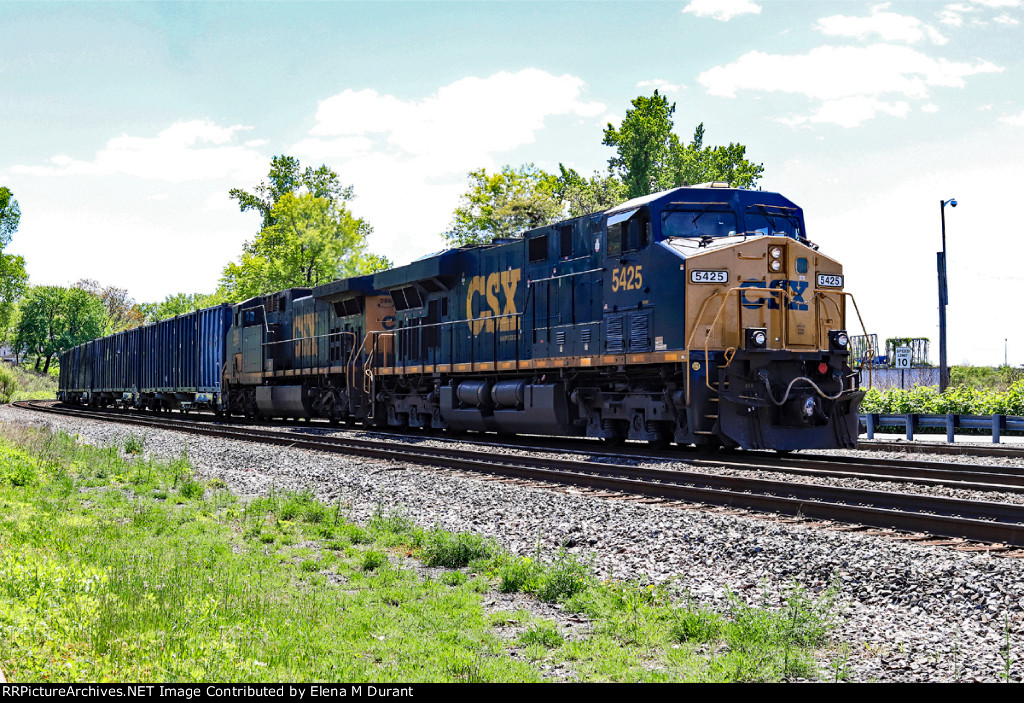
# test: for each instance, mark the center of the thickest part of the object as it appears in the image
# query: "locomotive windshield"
(698, 223)
(776, 221)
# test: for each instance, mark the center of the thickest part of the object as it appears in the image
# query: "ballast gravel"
(909, 611)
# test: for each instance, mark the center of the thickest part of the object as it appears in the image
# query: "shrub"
(16, 469)
(8, 383)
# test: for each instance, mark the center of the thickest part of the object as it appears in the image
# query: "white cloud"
(889, 26)
(853, 84)
(930, 107)
(1016, 120)
(849, 112)
(457, 128)
(408, 158)
(951, 15)
(722, 10)
(661, 85)
(185, 151)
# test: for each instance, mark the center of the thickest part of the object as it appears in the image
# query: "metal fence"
(996, 424)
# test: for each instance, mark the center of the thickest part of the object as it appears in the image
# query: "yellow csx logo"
(627, 278)
(503, 283)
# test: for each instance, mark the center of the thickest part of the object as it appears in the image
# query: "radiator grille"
(614, 341)
(639, 332)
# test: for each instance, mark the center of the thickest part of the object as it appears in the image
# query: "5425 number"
(627, 278)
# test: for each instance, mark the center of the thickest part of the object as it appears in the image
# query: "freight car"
(697, 315)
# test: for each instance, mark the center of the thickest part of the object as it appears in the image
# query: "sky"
(124, 125)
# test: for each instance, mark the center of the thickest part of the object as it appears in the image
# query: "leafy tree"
(53, 319)
(696, 163)
(650, 157)
(504, 204)
(181, 303)
(287, 176)
(10, 215)
(583, 196)
(644, 143)
(13, 278)
(122, 311)
(311, 240)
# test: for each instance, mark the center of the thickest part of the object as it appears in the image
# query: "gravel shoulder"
(909, 612)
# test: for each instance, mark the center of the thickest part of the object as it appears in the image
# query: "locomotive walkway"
(992, 522)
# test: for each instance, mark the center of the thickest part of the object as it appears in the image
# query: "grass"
(118, 567)
(26, 384)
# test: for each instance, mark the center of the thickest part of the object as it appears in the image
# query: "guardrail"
(951, 422)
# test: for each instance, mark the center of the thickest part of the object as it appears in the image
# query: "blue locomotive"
(698, 315)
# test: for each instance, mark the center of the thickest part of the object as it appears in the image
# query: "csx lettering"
(771, 301)
(627, 278)
(488, 288)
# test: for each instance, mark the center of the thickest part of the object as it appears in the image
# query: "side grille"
(639, 332)
(614, 341)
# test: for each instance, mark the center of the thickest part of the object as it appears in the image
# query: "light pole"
(943, 298)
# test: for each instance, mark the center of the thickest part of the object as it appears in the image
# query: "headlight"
(755, 337)
(838, 340)
(776, 252)
(776, 266)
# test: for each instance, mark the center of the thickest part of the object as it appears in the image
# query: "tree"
(122, 311)
(287, 176)
(583, 196)
(644, 143)
(13, 278)
(649, 157)
(504, 204)
(53, 319)
(181, 303)
(10, 216)
(696, 163)
(311, 240)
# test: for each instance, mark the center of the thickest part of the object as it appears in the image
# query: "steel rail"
(952, 517)
(971, 477)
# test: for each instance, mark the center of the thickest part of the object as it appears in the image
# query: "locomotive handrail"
(369, 379)
(482, 318)
(531, 281)
(740, 290)
(351, 362)
(870, 350)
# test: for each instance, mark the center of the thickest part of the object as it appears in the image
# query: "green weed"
(443, 548)
(134, 444)
(544, 634)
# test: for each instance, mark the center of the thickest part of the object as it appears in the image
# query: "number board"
(830, 280)
(709, 276)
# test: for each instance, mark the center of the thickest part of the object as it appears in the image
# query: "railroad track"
(979, 520)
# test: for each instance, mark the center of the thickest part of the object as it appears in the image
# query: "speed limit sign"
(901, 357)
